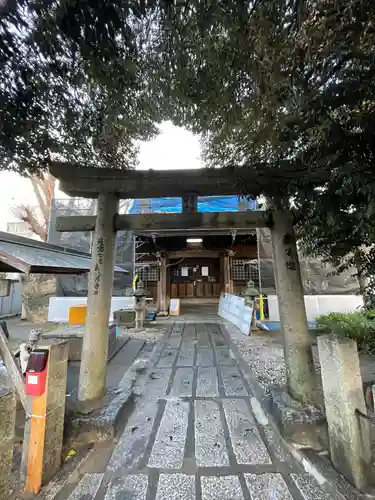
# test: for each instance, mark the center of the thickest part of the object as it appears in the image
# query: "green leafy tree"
(343, 238)
(283, 88)
(74, 84)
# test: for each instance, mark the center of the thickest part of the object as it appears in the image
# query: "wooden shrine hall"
(199, 266)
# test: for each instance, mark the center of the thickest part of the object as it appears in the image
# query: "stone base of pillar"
(163, 314)
(89, 406)
(299, 423)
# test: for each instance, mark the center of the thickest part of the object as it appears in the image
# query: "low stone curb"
(103, 424)
(312, 462)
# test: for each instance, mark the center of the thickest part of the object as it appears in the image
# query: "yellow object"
(70, 454)
(77, 315)
(261, 308)
(135, 281)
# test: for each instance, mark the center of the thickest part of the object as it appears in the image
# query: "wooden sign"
(174, 307)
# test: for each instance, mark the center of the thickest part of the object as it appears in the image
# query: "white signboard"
(204, 271)
(174, 307)
(234, 310)
(184, 271)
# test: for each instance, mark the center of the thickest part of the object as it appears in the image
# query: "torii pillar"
(95, 341)
(162, 296)
(300, 371)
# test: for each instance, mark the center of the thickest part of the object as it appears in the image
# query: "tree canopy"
(285, 88)
(74, 83)
(282, 87)
(275, 83)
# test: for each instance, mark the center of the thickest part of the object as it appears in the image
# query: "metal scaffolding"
(317, 277)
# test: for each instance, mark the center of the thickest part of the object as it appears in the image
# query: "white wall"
(319, 304)
(58, 311)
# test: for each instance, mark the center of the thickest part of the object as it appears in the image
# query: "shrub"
(357, 325)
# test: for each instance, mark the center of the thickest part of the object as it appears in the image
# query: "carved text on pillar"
(100, 253)
(290, 262)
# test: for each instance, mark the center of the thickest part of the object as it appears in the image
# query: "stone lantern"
(139, 304)
(250, 293)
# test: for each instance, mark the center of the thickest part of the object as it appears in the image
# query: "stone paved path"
(199, 433)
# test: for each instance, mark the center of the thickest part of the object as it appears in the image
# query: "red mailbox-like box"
(36, 372)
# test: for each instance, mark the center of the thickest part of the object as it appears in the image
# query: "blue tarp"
(205, 204)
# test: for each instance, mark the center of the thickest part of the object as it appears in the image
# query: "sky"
(173, 148)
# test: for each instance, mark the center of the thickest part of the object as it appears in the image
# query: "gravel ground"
(150, 334)
(265, 357)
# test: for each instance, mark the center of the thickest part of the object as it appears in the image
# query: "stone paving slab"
(232, 381)
(210, 448)
(189, 332)
(177, 330)
(225, 357)
(186, 356)
(182, 385)
(218, 339)
(247, 443)
(87, 487)
(309, 487)
(167, 357)
(176, 487)
(205, 356)
(133, 442)
(173, 342)
(267, 487)
(198, 434)
(203, 339)
(169, 447)
(157, 384)
(207, 382)
(133, 487)
(227, 487)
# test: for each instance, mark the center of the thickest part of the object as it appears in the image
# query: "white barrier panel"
(58, 310)
(233, 309)
(319, 304)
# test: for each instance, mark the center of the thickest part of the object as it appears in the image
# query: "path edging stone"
(309, 460)
(103, 424)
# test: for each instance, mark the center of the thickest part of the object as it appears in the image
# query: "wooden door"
(196, 278)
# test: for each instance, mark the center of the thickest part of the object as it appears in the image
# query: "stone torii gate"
(108, 186)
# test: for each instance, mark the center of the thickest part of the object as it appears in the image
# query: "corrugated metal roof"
(18, 254)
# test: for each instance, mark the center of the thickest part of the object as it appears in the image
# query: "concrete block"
(343, 393)
(124, 317)
(74, 339)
